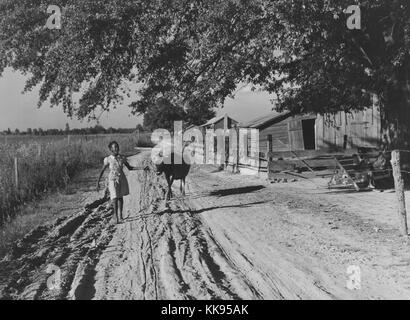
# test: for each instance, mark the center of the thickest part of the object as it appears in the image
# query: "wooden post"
(204, 145)
(269, 148)
(16, 171)
(226, 151)
(237, 150)
(68, 139)
(226, 124)
(399, 186)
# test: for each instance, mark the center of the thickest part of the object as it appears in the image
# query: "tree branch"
(365, 55)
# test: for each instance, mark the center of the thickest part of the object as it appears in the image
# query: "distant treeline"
(83, 131)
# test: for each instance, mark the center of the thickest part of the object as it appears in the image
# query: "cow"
(173, 172)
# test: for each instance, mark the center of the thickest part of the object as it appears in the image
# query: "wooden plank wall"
(362, 128)
(286, 135)
(280, 137)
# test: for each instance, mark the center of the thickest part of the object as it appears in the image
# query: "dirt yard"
(231, 237)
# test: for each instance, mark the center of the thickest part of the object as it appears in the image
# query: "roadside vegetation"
(49, 165)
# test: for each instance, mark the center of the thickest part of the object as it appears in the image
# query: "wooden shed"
(315, 132)
(349, 130)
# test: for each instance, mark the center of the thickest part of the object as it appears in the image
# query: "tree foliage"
(162, 115)
(201, 50)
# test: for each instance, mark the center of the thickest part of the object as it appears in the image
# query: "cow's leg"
(183, 184)
(180, 186)
(167, 196)
(170, 181)
(170, 188)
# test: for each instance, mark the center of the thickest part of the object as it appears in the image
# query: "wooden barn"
(316, 132)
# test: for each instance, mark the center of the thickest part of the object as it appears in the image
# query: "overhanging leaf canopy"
(187, 50)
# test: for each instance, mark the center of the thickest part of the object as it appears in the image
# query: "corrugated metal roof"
(265, 119)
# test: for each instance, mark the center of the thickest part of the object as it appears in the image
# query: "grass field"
(48, 163)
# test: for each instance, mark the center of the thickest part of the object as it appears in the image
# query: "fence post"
(68, 139)
(204, 145)
(226, 151)
(16, 171)
(237, 150)
(399, 186)
(269, 148)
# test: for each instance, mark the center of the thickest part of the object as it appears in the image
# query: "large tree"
(199, 111)
(162, 115)
(332, 68)
(185, 50)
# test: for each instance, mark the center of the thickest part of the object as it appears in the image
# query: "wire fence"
(31, 167)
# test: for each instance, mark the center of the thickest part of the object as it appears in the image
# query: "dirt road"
(231, 237)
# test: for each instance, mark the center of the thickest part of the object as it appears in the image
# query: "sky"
(20, 110)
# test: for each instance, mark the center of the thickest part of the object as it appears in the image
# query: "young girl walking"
(117, 181)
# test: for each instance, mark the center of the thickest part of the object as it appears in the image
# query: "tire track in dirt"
(219, 274)
(178, 257)
(71, 244)
(158, 252)
(231, 237)
(275, 281)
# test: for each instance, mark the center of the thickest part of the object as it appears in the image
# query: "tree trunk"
(399, 186)
(395, 121)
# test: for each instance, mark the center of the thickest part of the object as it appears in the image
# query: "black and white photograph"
(223, 151)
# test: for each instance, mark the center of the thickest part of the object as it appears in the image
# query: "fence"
(232, 157)
(396, 171)
(28, 167)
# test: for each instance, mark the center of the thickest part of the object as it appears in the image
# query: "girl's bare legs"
(121, 205)
(115, 205)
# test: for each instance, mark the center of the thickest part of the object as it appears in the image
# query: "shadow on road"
(221, 192)
(192, 211)
(233, 191)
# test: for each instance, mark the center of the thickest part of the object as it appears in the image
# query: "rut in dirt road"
(70, 247)
(167, 253)
(157, 252)
(187, 249)
(231, 237)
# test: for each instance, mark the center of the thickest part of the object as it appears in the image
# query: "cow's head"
(159, 164)
(159, 168)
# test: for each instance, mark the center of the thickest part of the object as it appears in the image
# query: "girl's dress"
(117, 181)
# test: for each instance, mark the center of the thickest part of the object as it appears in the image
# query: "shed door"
(296, 135)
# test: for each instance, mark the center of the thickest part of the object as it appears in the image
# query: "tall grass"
(49, 165)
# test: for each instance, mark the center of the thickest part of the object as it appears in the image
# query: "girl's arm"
(101, 174)
(131, 168)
